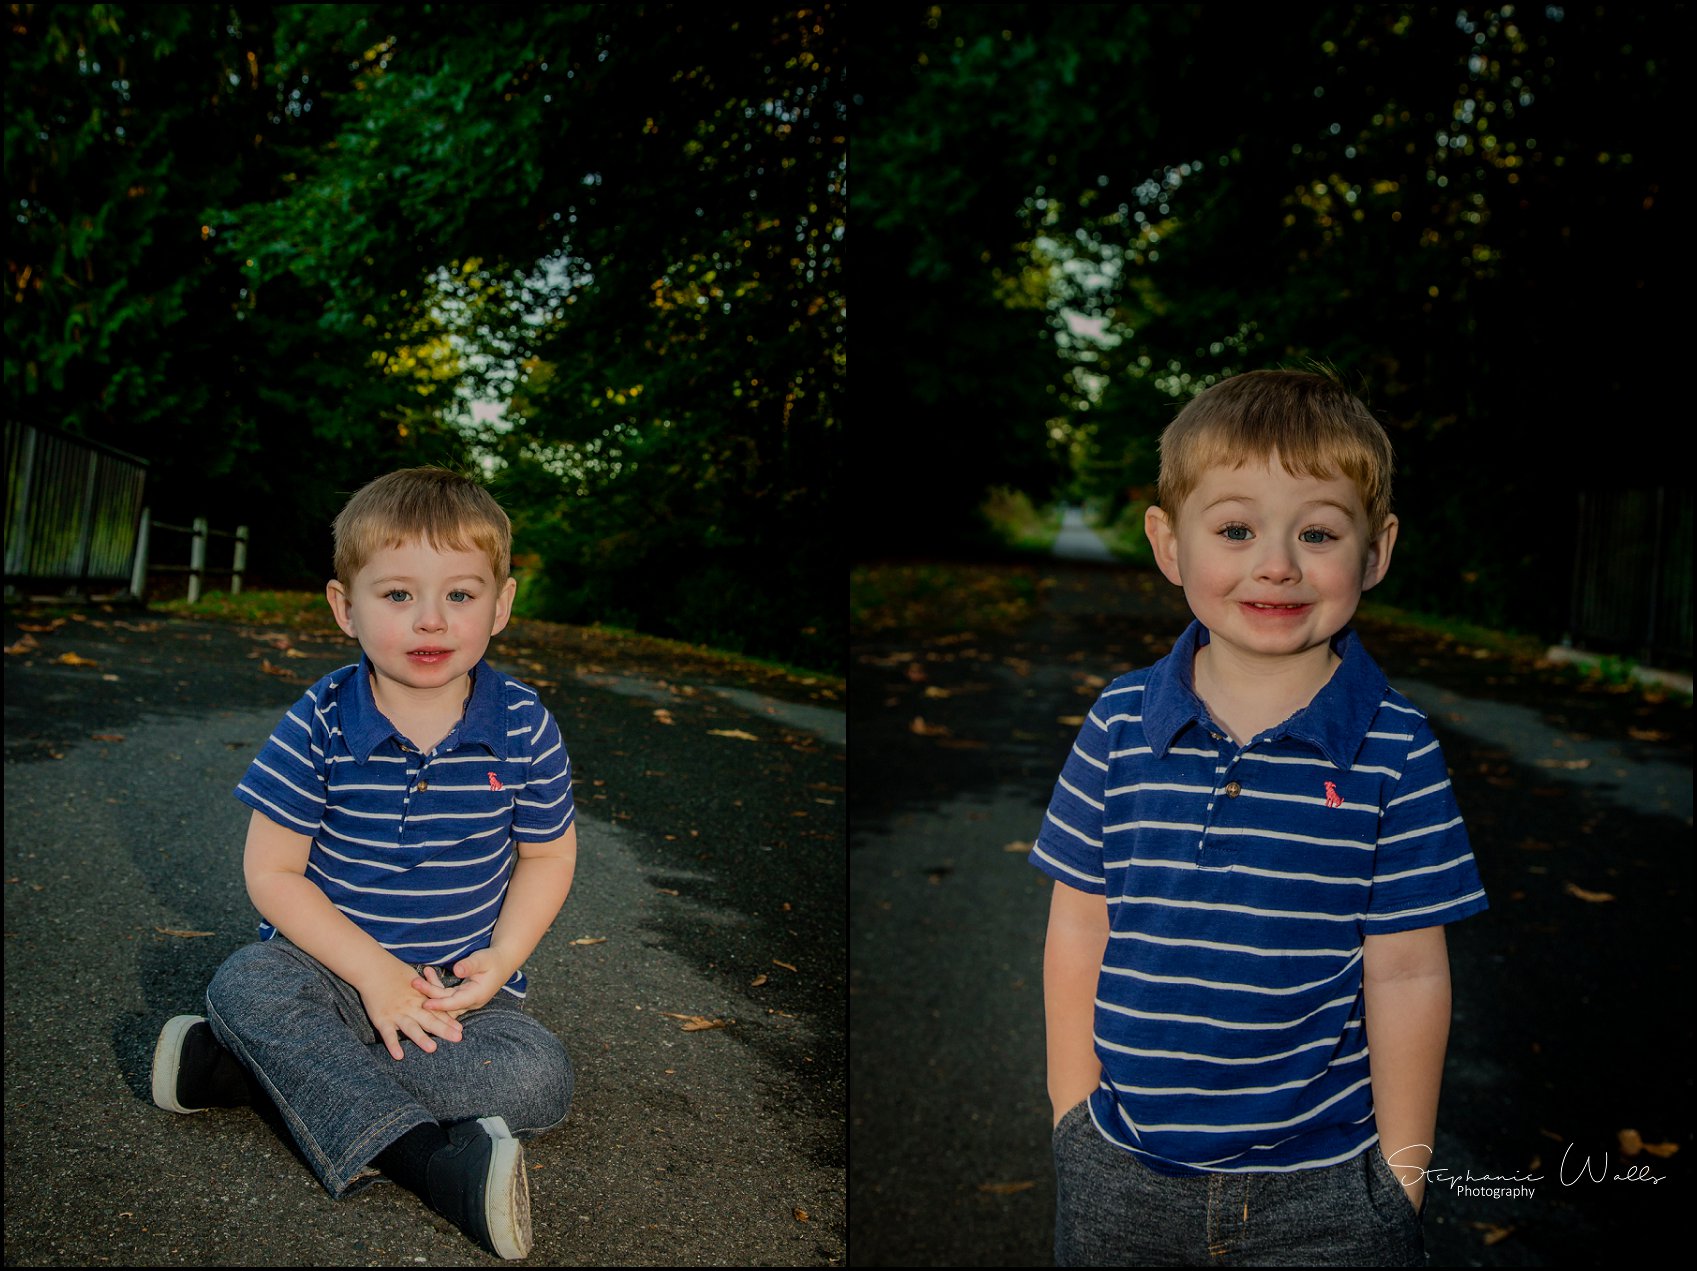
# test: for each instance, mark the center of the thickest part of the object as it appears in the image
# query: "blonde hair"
(1317, 427)
(448, 511)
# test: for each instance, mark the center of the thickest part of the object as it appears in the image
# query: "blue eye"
(1316, 536)
(394, 592)
(1235, 533)
(459, 597)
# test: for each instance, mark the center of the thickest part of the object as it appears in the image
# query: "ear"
(1379, 554)
(337, 595)
(1164, 540)
(504, 605)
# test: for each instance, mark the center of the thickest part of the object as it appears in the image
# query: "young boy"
(412, 839)
(1255, 844)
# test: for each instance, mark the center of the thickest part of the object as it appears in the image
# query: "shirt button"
(1233, 789)
(425, 785)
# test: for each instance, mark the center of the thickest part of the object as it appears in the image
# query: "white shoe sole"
(167, 1060)
(506, 1192)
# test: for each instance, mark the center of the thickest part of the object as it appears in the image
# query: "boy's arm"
(542, 877)
(1072, 965)
(274, 864)
(1406, 980)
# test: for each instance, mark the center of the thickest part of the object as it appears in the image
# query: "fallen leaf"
(111, 677)
(1007, 1189)
(106, 736)
(1018, 845)
(265, 665)
(1595, 897)
(25, 645)
(589, 940)
(962, 743)
(1564, 763)
(667, 891)
(1071, 721)
(1661, 1149)
(1637, 734)
(695, 1023)
(72, 659)
(1630, 1142)
(738, 733)
(919, 728)
(292, 652)
(664, 716)
(785, 965)
(931, 690)
(172, 931)
(800, 1214)
(758, 980)
(915, 672)
(51, 626)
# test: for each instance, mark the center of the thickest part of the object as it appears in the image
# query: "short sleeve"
(1423, 873)
(1069, 845)
(288, 779)
(544, 809)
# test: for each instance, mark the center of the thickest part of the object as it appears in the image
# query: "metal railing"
(72, 509)
(1632, 575)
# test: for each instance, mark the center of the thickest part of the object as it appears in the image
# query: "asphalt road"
(1571, 1019)
(710, 883)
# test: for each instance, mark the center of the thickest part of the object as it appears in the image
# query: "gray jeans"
(1111, 1210)
(304, 1034)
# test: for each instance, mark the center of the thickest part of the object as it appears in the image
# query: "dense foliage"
(1083, 214)
(280, 249)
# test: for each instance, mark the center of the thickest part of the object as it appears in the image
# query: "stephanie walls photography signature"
(1571, 1172)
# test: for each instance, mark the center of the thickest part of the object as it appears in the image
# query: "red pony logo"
(1333, 798)
(495, 783)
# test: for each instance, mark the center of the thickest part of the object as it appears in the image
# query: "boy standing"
(412, 839)
(1255, 845)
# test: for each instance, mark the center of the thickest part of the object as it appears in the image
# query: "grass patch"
(1125, 537)
(261, 608)
(940, 598)
(1468, 634)
(1018, 523)
(1469, 639)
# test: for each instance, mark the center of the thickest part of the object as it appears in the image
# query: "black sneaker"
(478, 1183)
(193, 1072)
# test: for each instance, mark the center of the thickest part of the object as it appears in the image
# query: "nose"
(430, 616)
(1276, 563)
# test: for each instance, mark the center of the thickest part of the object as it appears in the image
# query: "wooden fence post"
(241, 560)
(138, 572)
(197, 558)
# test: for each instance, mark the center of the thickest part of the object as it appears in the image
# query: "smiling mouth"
(426, 653)
(1256, 604)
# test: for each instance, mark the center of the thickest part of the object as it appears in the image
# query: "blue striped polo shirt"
(416, 849)
(1240, 884)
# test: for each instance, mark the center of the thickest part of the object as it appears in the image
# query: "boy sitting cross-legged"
(412, 839)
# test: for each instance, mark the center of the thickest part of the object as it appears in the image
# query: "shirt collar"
(1335, 723)
(484, 721)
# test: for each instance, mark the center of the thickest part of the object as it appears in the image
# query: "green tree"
(1465, 212)
(629, 219)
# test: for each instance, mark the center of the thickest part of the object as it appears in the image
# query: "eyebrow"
(1312, 503)
(403, 578)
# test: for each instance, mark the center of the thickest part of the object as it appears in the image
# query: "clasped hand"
(421, 1007)
(481, 977)
(398, 1004)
